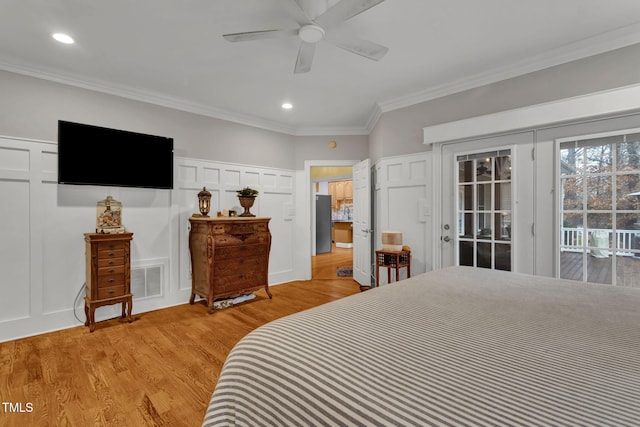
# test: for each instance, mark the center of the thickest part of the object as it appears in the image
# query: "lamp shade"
(391, 240)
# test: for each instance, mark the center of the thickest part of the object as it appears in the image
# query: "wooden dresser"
(229, 257)
(108, 274)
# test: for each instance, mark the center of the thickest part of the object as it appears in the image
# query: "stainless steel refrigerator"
(323, 224)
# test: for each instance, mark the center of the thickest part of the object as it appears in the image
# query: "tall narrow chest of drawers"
(229, 257)
(108, 274)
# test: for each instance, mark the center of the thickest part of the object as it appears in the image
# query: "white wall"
(276, 200)
(42, 249)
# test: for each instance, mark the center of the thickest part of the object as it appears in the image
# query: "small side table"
(392, 260)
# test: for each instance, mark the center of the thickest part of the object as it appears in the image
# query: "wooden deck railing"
(573, 240)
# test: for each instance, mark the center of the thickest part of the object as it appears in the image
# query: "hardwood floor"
(324, 266)
(159, 370)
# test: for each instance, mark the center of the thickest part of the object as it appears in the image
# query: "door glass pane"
(628, 192)
(571, 264)
(484, 197)
(503, 226)
(484, 169)
(599, 158)
(599, 193)
(628, 156)
(572, 193)
(503, 257)
(572, 161)
(484, 226)
(466, 253)
(599, 221)
(465, 171)
(599, 270)
(627, 270)
(503, 168)
(503, 196)
(572, 230)
(484, 255)
(467, 226)
(465, 198)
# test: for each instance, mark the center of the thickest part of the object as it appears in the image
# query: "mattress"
(453, 347)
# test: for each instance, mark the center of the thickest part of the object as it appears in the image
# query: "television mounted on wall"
(93, 155)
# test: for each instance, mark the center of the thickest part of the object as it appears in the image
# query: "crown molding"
(601, 43)
(149, 98)
(616, 39)
(178, 104)
(373, 118)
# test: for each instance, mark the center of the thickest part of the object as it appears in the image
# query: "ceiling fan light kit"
(313, 31)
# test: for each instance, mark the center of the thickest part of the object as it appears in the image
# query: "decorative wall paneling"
(42, 244)
(402, 192)
(276, 200)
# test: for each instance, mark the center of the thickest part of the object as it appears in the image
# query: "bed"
(453, 347)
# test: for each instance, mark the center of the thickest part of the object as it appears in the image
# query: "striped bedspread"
(454, 347)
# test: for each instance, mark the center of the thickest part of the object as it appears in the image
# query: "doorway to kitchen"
(332, 222)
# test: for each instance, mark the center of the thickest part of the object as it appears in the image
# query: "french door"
(599, 227)
(483, 223)
(484, 209)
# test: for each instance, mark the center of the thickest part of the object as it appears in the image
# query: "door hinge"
(533, 154)
(533, 229)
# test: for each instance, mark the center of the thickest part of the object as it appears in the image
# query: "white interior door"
(362, 222)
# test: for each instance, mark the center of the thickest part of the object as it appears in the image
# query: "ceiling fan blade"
(344, 10)
(302, 12)
(365, 48)
(305, 57)
(259, 35)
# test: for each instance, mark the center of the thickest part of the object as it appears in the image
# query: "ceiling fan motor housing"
(311, 33)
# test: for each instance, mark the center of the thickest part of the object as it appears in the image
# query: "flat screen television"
(93, 155)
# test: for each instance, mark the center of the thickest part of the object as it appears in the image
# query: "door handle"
(446, 239)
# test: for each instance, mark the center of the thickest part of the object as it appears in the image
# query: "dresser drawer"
(108, 280)
(239, 282)
(111, 253)
(234, 266)
(226, 252)
(110, 246)
(110, 292)
(112, 269)
(110, 262)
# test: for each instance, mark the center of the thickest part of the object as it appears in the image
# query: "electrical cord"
(75, 302)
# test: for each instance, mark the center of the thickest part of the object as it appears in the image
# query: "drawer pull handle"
(111, 270)
(110, 262)
(112, 292)
(111, 280)
(111, 254)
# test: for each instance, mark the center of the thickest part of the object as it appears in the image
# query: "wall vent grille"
(146, 281)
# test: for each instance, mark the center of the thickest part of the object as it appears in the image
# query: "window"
(600, 210)
(484, 210)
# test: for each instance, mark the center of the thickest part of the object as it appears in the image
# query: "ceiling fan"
(314, 29)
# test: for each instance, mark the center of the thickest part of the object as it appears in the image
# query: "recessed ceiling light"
(287, 106)
(63, 38)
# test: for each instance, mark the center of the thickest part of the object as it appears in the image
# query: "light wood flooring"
(159, 370)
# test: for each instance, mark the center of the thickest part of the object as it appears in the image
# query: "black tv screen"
(93, 155)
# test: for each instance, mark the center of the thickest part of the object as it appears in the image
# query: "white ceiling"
(172, 52)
